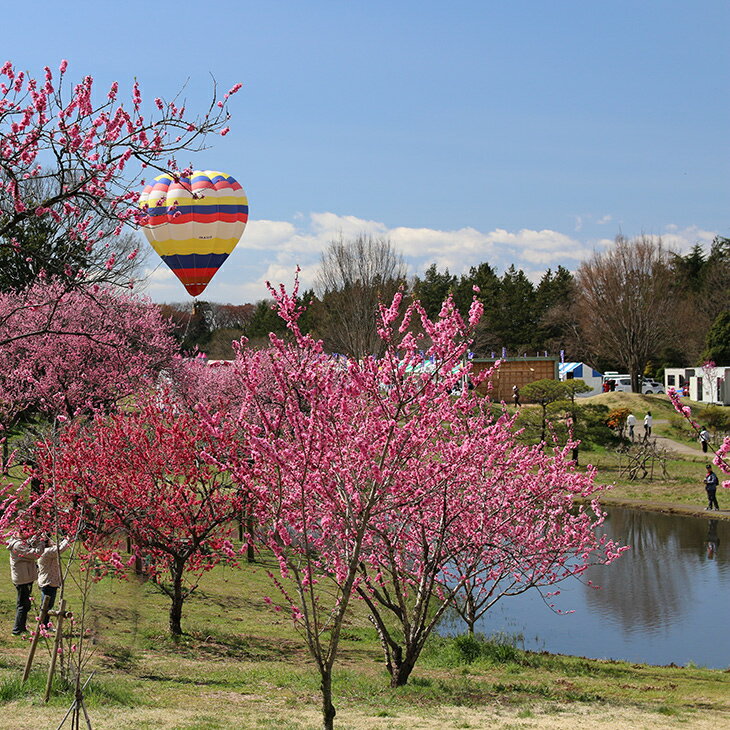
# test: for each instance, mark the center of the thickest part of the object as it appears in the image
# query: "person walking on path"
(711, 482)
(631, 423)
(704, 439)
(24, 550)
(49, 569)
(647, 425)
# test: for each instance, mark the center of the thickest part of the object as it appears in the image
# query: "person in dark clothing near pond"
(711, 482)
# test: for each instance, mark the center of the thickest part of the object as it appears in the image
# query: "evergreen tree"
(718, 340)
(554, 300)
(514, 316)
(264, 320)
(433, 289)
(484, 277)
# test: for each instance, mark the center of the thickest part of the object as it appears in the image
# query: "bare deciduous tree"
(354, 275)
(626, 300)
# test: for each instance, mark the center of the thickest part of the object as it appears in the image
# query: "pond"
(664, 601)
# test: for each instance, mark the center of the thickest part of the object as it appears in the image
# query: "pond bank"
(671, 508)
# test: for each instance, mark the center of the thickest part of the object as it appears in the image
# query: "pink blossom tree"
(194, 382)
(85, 154)
(366, 479)
(496, 518)
(67, 352)
(146, 474)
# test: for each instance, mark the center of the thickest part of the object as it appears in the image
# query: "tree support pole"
(56, 647)
(36, 635)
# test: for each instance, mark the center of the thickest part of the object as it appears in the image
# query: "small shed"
(581, 371)
(515, 371)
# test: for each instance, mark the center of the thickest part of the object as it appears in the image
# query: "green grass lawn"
(242, 665)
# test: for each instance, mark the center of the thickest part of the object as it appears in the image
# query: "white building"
(705, 385)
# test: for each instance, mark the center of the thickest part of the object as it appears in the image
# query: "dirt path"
(663, 442)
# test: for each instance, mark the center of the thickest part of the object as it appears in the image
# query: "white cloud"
(682, 240)
(272, 250)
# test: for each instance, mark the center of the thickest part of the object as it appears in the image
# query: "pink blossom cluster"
(91, 140)
(67, 352)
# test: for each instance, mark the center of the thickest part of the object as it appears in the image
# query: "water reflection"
(713, 539)
(646, 588)
(655, 603)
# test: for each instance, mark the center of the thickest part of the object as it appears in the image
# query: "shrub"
(469, 648)
(715, 418)
(616, 419)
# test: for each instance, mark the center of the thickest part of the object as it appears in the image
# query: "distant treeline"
(519, 316)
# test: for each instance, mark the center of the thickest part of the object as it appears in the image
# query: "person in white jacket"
(49, 569)
(24, 550)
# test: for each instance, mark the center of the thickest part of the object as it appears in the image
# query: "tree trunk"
(471, 610)
(328, 709)
(402, 669)
(177, 604)
(544, 422)
(250, 555)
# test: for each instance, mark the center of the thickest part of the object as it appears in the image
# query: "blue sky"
(525, 132)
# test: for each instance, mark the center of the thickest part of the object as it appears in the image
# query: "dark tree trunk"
(177, 604)
(328, 709)
(250, 555)
(402, 669)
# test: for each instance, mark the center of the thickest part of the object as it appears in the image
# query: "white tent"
(580, 371)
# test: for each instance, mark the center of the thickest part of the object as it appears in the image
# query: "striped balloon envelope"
(194, 223)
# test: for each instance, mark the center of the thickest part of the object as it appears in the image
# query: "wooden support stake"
(42, 620)
(56, 647)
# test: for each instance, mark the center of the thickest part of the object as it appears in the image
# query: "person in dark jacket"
(711, 482)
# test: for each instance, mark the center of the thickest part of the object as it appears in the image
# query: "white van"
(621, 381)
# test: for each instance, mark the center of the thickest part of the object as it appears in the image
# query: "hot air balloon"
(194, 223)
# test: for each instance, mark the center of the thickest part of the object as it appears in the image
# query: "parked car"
(619, 382)
(622, 383)
(651, 387)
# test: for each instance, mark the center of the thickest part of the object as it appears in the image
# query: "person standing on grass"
(24, 550)
(49, 569)
(516, 395)
(704, 439)
(631, 423)
(711, 482)
(647, 425)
